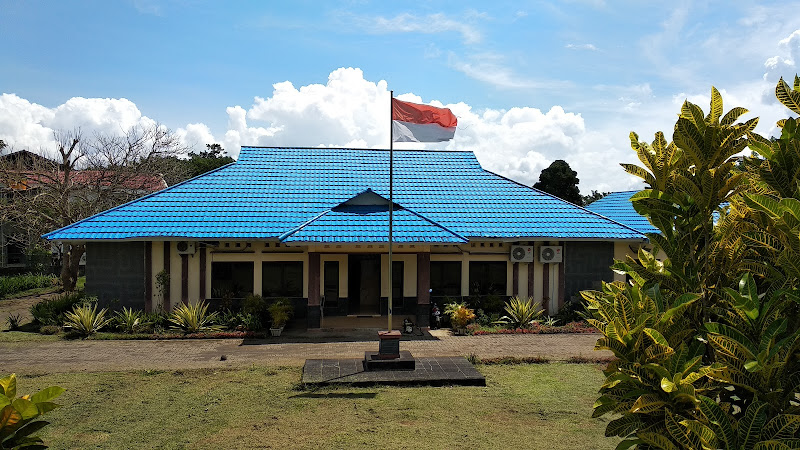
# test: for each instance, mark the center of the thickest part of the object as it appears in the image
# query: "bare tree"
(83, 177)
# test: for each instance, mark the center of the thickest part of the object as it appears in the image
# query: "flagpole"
(391, 208)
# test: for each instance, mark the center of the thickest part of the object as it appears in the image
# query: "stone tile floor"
(432, 370)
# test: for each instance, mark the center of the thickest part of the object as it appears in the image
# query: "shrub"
(49, 329)
(18, 283)
(18, 414)
(51, 311)
(280, 311)
(129, 320)
(459, 314)
(254, 304)
(193, 318)
(13, 322)
(86, 320)
(154, 321)
(550, 321)
(521, 313)
(239, 321)
(571, 312)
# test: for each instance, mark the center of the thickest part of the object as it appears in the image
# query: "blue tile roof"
(270, 192)
(618, 206)
(369, 224)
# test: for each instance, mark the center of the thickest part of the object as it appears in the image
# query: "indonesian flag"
(412, 122)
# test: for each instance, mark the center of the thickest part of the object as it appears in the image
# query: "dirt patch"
(21, 306)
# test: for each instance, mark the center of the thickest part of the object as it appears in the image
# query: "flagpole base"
(389, 345)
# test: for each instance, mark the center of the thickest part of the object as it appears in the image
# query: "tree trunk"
(69, 265)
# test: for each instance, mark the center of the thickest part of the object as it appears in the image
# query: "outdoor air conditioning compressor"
(185, 248)
(522, 253)
(550, 254)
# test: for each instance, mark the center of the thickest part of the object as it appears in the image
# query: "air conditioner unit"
(522, 253)
(550, 254)
(185, 248)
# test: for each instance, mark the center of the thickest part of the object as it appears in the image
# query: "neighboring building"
(618, 206)
(25, 172)
(311, 224)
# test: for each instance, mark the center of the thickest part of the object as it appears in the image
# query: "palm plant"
(521, 313)
(280, 311)
(193, 318)
(86, 320)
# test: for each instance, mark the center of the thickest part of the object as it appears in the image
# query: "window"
(397, 283)
(486, 278)
(282, 279)
(331, 283)
(446, 278)
(231, 279)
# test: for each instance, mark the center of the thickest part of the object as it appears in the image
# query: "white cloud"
(590, 47)
(351, 111)
(31, 126)
(490, 68)
(196, 135)
(784, 65)
(410, 23)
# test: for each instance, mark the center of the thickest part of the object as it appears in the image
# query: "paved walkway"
(97, 356)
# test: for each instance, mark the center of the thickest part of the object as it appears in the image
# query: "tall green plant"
(708, 338)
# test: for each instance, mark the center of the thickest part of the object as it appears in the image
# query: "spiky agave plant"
(521, 313)
(193, 318)
(129, 319)
(86, 319)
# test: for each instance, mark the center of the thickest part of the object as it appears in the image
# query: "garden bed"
(572, 327)
(100, 336)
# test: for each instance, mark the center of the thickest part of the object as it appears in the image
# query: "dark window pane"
(487, 278)
(231, 279)
(397, 283)
(331, 283)
(446, 278)
(282, 279)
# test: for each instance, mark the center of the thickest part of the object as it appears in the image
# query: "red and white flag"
(412, 122)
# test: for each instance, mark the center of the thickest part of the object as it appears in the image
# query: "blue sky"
(530, 81)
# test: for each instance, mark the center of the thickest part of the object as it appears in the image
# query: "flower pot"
(276, 331)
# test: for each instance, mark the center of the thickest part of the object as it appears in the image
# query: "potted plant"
(280, 311)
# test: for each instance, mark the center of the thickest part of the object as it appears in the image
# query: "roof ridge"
(303, 225)
(358, 149)
(569, 203)
(137, 200)
(436, 223)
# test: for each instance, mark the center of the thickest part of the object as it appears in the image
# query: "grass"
(34, 291)
(25, 336)
(523, 406)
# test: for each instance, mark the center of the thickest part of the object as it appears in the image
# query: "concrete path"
(97, 356)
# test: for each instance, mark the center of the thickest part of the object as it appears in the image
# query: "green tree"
(213, 158)
(708, 339)
(560, 180)
(593, 197)
(90, 176)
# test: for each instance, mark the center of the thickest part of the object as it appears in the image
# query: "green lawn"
(524, 406)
